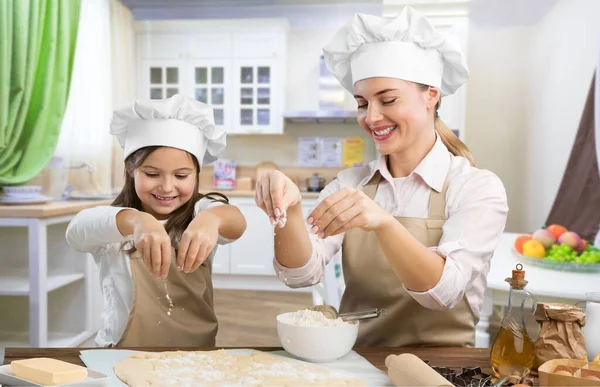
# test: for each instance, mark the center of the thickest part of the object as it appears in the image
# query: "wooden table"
(441, 357)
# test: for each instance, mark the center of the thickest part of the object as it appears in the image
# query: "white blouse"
(476, 211)
(95, 231)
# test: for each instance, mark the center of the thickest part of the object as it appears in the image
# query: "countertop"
(71, 207)
(49, 210)
(440, 357)
(241, 194)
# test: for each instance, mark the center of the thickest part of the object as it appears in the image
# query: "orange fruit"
(557, 230)
(520, 241)
(534, 249)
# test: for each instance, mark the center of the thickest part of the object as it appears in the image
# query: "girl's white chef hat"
(406, 47)
(177, 122)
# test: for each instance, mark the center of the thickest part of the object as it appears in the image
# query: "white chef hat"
(406, 47)
(177, 122)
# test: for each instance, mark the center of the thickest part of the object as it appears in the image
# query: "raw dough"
(217, 368)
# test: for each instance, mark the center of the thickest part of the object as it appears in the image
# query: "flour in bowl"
(312, 318)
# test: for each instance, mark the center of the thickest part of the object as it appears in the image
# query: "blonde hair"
(453, 143)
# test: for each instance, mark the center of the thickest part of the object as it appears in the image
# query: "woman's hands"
(346, 209)
(275, 194)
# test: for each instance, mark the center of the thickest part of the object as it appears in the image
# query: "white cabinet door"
(221, 261)
(162, 79)
(210, 45)
(253, 253)
(162, 46)
(257, 96)
(211, 82)
(256, 45)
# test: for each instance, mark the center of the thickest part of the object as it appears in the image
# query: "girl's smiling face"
(165, 181)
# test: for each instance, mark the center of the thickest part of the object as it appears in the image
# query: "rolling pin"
(408, 370)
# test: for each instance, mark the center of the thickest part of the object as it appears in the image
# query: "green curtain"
(37, 46)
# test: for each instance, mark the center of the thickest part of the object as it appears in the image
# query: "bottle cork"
(517, 281)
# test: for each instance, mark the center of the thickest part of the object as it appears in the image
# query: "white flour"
(168, 297)
(312, 318)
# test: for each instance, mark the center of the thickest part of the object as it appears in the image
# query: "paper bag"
(560, 335)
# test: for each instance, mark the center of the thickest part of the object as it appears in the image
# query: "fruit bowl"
(557, 248)
(558, 265)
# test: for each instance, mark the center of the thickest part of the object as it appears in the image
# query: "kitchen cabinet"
(236, 66)
(248, 262)
(253, 253)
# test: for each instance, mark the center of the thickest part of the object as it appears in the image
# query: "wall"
(531, 64)
(249, 150)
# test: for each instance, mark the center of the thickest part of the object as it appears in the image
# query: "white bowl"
(316, 344)
(22, 191)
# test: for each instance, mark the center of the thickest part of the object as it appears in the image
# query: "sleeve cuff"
(110, 220)
(449, 290)
(299, 276)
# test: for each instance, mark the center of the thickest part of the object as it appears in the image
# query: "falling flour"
(312, 318)
(168, 297)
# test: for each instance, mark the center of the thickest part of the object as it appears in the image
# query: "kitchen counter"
(49, 210)
(250, 194)
(441, 357)
(71, 207)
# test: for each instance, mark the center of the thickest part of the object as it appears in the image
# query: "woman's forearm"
(292, 243)
(419, 268)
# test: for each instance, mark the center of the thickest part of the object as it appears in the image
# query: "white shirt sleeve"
(470, 236)
(206, 203)
(94, 228)
(323, 251)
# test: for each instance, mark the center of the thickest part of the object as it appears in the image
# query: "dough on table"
(218, 368)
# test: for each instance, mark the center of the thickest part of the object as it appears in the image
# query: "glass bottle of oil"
(513, 352)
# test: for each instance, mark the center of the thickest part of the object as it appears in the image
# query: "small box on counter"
(224, 174)
(245, 184)
(568, 372)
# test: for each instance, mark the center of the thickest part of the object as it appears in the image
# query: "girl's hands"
(153, 243)
(198, 241)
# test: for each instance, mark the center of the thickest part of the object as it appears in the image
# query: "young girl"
(418, 226)
(155, 244)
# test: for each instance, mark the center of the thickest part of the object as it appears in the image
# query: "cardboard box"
(588, 376)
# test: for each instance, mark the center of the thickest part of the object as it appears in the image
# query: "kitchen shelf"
(17, 284)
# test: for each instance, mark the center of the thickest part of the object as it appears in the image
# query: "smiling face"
(165, 180)
(398, 114)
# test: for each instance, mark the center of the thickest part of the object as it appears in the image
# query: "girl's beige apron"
(189, 322)
(372, 283)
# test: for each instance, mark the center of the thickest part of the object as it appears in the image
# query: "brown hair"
(180, 218)
(453, 143)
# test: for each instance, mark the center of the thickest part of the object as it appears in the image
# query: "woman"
(418, 226)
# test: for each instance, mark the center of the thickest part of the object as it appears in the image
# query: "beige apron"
(153, 322)
(372, 283)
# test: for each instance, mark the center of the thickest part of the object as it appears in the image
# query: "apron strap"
(437, 202)
(371, 187)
